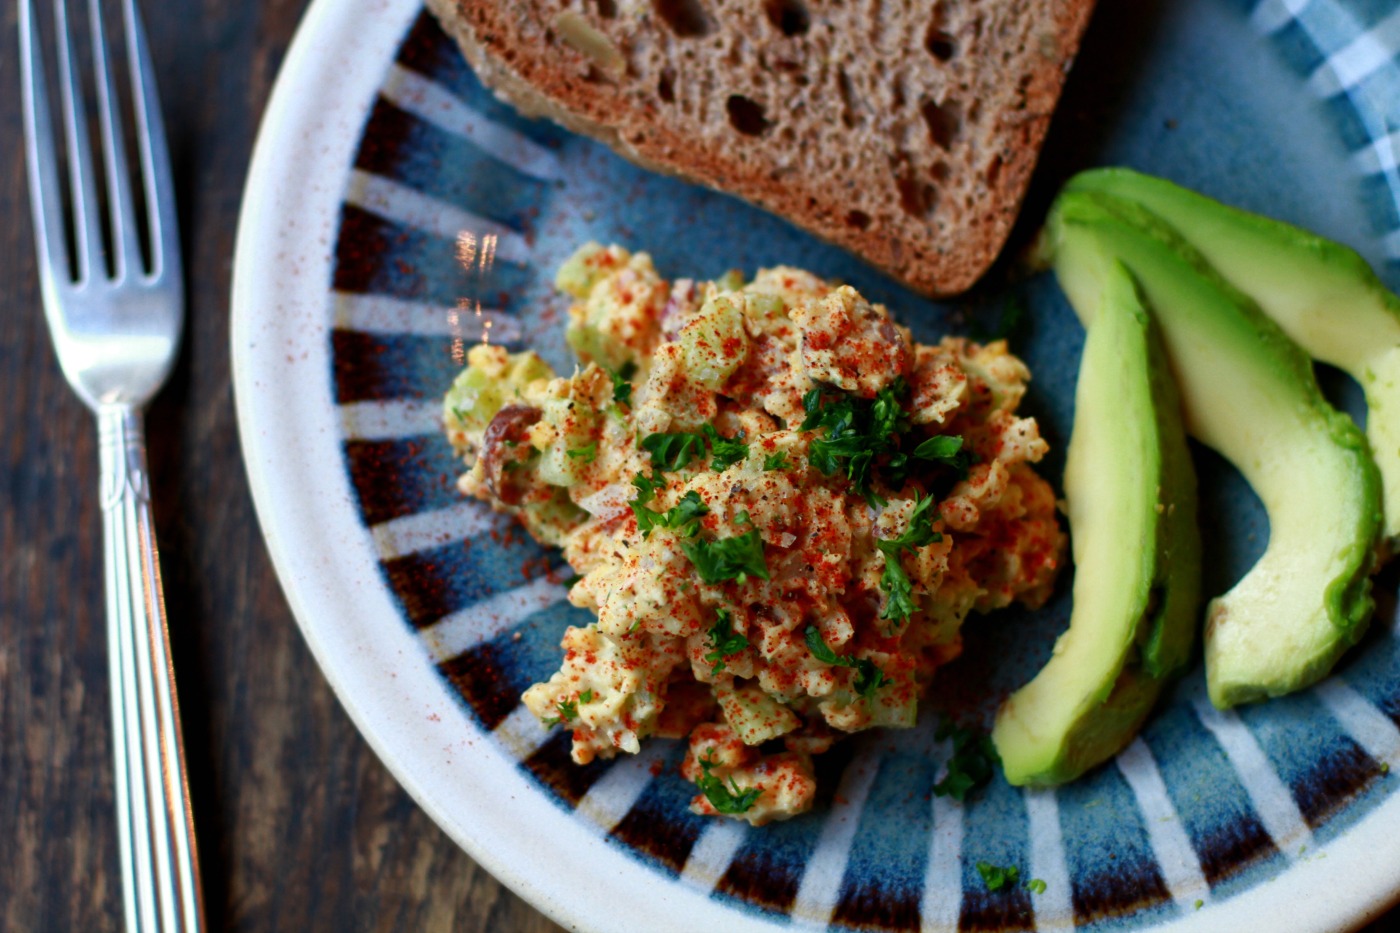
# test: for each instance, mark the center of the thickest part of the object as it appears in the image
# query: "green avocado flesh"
(1321, 293)
(1248, 392)
(1131, 497)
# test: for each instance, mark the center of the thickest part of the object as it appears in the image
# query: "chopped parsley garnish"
(586, 454)
(869, 677)
(683, 517)
(777, 461)
(568, 709)
(863, 438)
(857, 431)
(1036, 886)
(899, 602)
(673, 451)
(995, 877)
(724, 640)
(729, 799)
(646, 487)
(727, 450)
(946, 449)
(622, 384)
(736, 558)
(974, 759)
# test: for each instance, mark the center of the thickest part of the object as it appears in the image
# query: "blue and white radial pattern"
(455, 214)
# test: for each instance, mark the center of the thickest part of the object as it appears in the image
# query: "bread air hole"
(939, 44)
(916, 197)
(943, 120)
(666, 85)
(858, 219)
(790, 16)
(685, 18)
(746, 116)
(938, 40)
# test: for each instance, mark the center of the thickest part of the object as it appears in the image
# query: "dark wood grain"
(301, 826)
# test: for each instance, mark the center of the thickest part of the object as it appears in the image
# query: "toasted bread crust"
(907, 135)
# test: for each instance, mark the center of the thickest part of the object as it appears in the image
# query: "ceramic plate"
(352, 313)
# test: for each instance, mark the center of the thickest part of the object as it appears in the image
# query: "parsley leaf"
(683, 517)
(735, 558)
(568, 710)
(946, 449)
(899, 603)
(646, 487)
(685, 514)
(777, 461)
(974, 758)
(857, 431)
(1037, 886)
(673, 451)
(622, 384)
(869, 677)
(729, 799)
(727, 451)
(586, 696)
(586, 454)
(995, 877)
(724, 640)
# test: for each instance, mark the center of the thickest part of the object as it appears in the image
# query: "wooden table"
(301, 827)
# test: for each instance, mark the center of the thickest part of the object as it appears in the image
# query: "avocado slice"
(1248, 392)
(1131, 498)
(1323, 295)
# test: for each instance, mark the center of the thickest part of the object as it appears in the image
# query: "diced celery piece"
(492, 378)
(590, 262)
(550, 520)
(714, 343)
(764, 306)
(733, 280)
(576, 426)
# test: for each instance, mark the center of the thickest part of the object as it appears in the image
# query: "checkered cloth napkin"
(1349, 53)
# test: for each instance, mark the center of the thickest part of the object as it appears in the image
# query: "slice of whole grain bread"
(905, 131)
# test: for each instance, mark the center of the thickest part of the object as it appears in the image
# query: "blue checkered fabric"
(1349, 53)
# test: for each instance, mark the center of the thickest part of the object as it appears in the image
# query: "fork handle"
(160, 876)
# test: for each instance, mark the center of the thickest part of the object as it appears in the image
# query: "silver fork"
(115, 323)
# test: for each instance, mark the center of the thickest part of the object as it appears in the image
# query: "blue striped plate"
(352, 312)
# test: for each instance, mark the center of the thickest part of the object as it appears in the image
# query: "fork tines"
(101, 235)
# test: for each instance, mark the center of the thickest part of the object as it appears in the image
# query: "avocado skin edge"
(1244, 672)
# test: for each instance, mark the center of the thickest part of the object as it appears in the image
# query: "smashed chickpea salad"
(779, 506)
